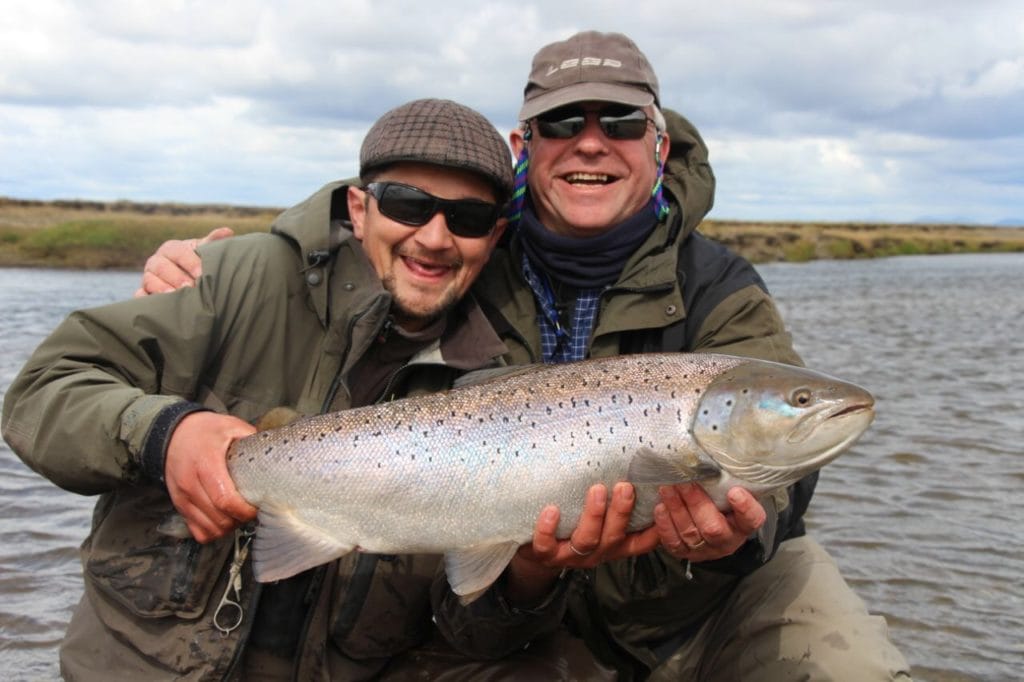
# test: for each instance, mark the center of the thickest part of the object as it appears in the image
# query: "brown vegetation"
(91, 234)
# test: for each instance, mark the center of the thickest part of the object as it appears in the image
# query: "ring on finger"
(698, 545)
(578, 552)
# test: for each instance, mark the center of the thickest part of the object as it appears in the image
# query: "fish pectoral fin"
(648, 466)
(473, 569)
(286, 545)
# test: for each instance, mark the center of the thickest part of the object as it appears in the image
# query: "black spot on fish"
(268, 450)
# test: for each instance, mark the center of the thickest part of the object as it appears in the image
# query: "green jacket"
(681, 292)
(276, 319)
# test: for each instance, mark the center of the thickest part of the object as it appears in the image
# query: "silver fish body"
(466, 472)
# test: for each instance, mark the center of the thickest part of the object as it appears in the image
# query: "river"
(923, 514)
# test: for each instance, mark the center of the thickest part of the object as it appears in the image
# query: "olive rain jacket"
(276, 319)
(680, 291)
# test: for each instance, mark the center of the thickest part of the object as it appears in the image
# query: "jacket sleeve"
(111, 382)
(80, 410)
(489, 627)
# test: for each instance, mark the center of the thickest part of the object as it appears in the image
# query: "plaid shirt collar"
(559, 344)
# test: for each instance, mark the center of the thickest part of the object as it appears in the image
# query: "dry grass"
(82, 234)
(782, 241)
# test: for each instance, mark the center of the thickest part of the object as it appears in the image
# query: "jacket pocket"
(132, 559)
(383, 605)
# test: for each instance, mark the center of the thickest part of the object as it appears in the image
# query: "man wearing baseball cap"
(606, 259)
(138, 401)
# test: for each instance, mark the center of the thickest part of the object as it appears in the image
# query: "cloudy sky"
(901, 110)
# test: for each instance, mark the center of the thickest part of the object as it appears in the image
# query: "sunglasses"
(616, 122)
(412, 206)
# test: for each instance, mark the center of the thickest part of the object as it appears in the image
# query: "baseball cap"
(606, 67)
(439, 132)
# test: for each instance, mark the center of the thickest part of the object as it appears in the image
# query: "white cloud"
(843, 108)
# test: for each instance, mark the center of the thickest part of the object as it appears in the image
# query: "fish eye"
(801, 397)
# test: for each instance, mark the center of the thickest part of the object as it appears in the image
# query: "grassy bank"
(118, 235)
(90, 235)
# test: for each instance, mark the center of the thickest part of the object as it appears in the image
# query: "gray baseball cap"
(606, 67)
(439, 132)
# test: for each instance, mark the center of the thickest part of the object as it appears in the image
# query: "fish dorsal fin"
(648, 466)
(473, 569)
(482, 376)
(285, 545)
(277, 417)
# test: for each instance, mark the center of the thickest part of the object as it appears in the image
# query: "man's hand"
(691, 527)
(197, 474)
(175, 264)
(599, 536)
(685, 516)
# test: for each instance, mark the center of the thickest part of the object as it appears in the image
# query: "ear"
(517, 140)
(662, 147)
(357, 210)
(499, 229)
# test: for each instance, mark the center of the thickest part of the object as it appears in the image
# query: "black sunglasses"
(618, 122)
(412, 206)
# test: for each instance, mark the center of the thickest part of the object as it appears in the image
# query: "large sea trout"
(466, 472)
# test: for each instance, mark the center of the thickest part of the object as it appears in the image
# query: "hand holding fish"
(692, 527)
(601, 535)
(197, 476)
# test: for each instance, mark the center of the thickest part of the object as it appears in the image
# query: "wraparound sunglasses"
(617, 122)
(412, 206)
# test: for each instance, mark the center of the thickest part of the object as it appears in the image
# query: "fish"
(466, 472)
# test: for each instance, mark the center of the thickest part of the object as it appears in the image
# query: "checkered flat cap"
(439, 132)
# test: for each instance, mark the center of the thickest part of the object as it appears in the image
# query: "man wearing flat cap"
(138, 401)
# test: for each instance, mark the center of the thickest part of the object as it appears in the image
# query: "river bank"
(121, 235)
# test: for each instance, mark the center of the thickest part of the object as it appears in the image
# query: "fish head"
(770, 425)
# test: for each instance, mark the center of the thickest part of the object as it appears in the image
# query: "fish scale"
(466, 472)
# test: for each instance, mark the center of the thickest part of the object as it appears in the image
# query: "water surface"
(923, 514)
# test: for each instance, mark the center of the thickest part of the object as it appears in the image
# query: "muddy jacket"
(679, 292)
(275, 319)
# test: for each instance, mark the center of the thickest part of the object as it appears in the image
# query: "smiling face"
(426, 269)
(587, 184)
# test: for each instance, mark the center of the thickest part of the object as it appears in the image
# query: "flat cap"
(439, 132)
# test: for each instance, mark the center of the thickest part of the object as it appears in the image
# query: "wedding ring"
(577, 552)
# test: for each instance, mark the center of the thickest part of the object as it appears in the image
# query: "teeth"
(586, 177)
